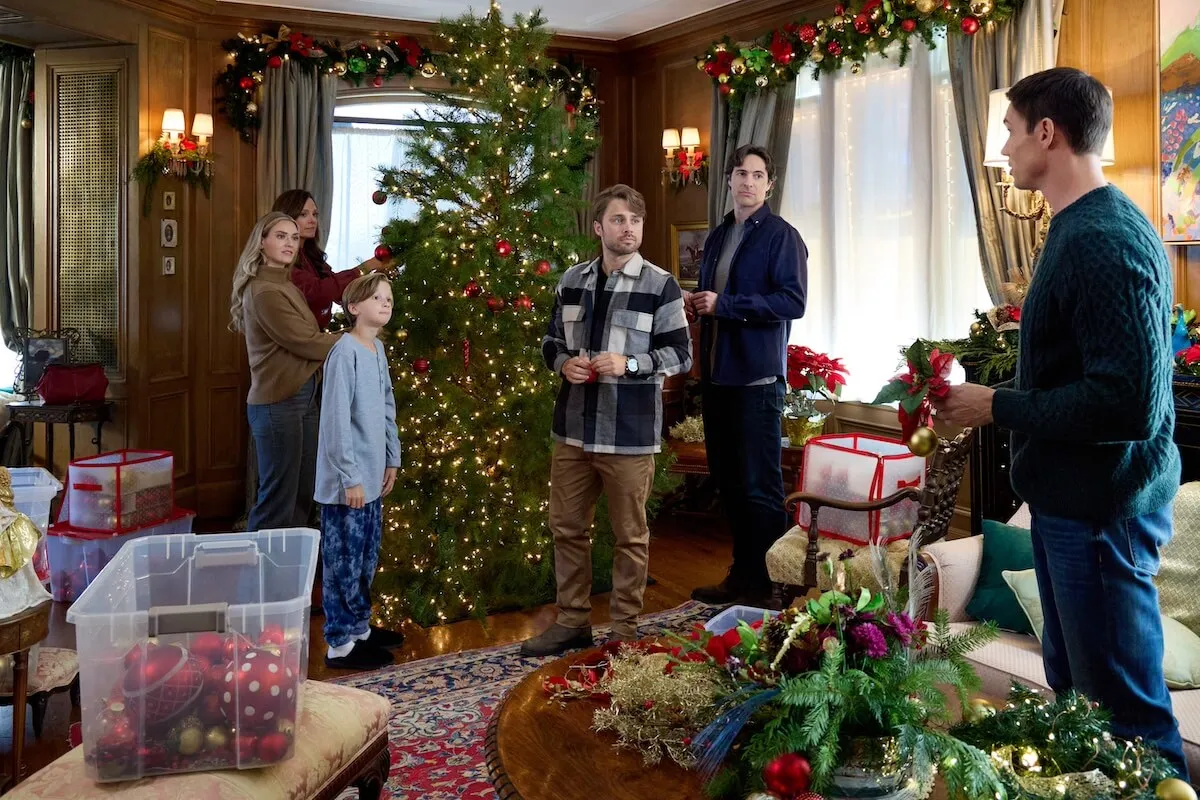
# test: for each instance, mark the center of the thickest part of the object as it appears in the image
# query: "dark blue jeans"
(742, 440)
(285, 438)
(1103, 633)
(350, 550)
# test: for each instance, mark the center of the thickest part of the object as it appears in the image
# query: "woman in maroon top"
(316, 280)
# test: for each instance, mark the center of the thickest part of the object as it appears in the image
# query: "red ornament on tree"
(383, 252)
(472, 289)
(378, 197)
(246, 83)
(808, 33)
(523, 303)
(543, 267)
(908, 25)
(504, 248)
(726, 89)
(570, 108)
(862, 24)
(164, 685)
(420, 366)
(834, 48)
(272, 747)
(495, 304)
(970, 26)
(787, 775)
(839, 10)
(378, 82)
(274, 62)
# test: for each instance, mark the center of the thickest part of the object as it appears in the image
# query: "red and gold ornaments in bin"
(925, 377)
(218, 701)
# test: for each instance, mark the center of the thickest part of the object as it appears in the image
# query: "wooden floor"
(685, 551)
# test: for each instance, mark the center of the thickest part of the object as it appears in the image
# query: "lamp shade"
(997, 134)
(689, 137)
(670, 138)
(202, 125)
(173, 121)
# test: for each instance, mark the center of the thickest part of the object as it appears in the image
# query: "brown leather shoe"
(557, 640)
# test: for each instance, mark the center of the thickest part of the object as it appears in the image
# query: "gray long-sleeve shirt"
(357, 406)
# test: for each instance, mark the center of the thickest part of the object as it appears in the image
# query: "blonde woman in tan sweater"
(286, 349)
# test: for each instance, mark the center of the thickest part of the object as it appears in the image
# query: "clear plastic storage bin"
(34, 489)
(76, 557)
(730, 617)
(121, 491)
(192, 652)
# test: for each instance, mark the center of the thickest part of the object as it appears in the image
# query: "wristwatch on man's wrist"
(631, 366)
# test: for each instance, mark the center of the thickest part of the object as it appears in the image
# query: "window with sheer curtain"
(877, 187)
(365, 137)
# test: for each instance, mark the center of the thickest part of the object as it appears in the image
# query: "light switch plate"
(168, 265)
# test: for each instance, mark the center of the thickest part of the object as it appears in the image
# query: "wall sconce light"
(186, 155)
(1034, 205)
(687, 166)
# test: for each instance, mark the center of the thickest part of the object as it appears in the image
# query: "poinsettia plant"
(1185, 341)
(811, 375)
(926, 376)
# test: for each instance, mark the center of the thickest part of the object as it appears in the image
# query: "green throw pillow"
(1181, 647)
(1004, 548)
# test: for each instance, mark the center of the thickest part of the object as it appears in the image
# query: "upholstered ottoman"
(57, 671)
(341, 741)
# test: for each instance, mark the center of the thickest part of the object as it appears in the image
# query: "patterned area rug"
(441, 707)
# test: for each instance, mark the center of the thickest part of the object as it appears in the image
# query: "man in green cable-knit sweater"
(1090, 410)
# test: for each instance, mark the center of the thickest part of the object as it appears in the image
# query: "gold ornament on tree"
(1174, 789)
(979, 709)
(428, 69)
(738, 66)
(981, 8)
(339, 68)
(19, 538)
(926, 6)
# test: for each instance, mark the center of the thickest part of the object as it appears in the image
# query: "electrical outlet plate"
(168, 265)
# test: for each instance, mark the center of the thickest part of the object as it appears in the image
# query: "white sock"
(342, 650)
(362, 637)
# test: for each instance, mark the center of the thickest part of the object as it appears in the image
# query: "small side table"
(17, 634)
(34, 411)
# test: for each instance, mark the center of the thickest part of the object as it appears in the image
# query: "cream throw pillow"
(1181, 647)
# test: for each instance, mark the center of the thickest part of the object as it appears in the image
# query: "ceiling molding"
(747, 19)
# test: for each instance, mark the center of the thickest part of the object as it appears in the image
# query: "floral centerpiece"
(811, 376)
(1185, 341)
(989, 353)
(850, 696)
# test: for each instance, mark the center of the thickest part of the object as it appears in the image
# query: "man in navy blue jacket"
(753, 282)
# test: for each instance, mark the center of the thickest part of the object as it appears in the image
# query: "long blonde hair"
(249, 262)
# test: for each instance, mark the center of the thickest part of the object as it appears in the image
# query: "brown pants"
(576, 480)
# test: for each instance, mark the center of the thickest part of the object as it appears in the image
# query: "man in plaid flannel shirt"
(618, 329)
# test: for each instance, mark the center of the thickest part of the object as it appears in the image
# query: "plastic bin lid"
(65, 530)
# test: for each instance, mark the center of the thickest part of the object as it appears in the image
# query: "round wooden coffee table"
(537, 749)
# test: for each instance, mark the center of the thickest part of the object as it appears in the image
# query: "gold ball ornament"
(191, 737)
(402, 335)
(738, 66)
(1174, 789)
(586, 93)
(923, 442)
(216, 738)
(926, 6)
(855, 68)
(838, 24)
(339, 68)
(701, 63)
(872, 45)
(26, 124)
(720, 48)
(723, 78)
(981, 8)
(817, 56)
(979, 709)
(251, 108)
(428, 69)
(876, 14)
(885, 31)
(761, 81)
(1002, 343)
(976, 329)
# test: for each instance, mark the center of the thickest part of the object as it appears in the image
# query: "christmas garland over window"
(355, 63)
(846, 39)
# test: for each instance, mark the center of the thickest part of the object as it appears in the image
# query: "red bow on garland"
(925, 377)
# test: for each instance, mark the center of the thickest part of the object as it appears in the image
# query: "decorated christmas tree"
(498, 170)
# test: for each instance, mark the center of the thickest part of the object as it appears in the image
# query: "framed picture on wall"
(169, 233)
(1179, 120)
(687, 251)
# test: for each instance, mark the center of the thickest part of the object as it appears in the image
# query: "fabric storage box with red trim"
(120, 491)
(860, 468)
(77, 556)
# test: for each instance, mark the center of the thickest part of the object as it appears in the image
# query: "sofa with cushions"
(985, 577)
